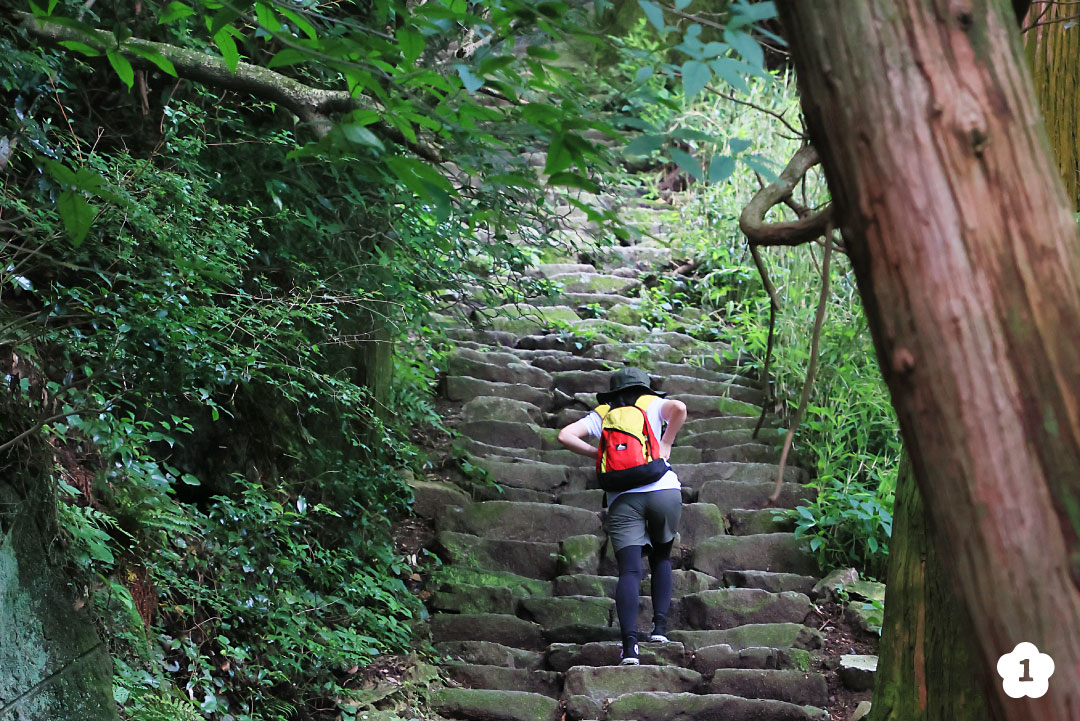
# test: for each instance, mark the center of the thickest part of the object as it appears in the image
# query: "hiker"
(636, 427)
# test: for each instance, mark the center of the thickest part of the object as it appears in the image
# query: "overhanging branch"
(795, 232)
(313, 105)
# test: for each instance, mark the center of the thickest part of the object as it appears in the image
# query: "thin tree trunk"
(966, 256)
(1053, 49)
(925, 670)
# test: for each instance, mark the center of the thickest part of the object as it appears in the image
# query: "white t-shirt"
(669, 480)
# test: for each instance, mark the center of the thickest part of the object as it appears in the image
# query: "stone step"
(761, 552)
(618, 332)
(489, 653)
(768, 438)
(590, 499)
(772, 582)
(724, 608)
(752, 494)
(797, 687)
(493, 627)
(463, 388)
(566, 611)
(746, 453)
(710, 406)
(583, 282)
(666, 370)
(564, 656)
(547, 270)
(488, 355)
(588, 688)
(493, 408)
(448, 577)
(492, 705)
(747, 522)
(524, 319)
(482, 337)
(659, 706)
(700, 521)
(562, 364)
(578, 301)
(547, 683)
(536, 476)
(430, 497)
(679, 385)
(523, 558)
(466, 598)
(708, 659)
(724, 423)
(518, 455)
(508, 520)
(583, 584)
(641, 257)
(754, 635)
(491, 492)
(641, 354)
(513, 372)
(504, 434)
(761, 475)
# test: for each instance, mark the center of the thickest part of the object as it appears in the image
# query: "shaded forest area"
(229, 229)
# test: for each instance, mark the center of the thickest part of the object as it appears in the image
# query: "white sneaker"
(659, 638)
(631, 659)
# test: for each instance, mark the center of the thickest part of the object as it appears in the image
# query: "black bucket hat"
(627, 378)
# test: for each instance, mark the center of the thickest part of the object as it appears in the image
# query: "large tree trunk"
(925, 670)
(967, 261)
(1053, 49)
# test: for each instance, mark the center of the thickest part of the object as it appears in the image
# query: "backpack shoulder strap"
(643, 402)
(602, 410)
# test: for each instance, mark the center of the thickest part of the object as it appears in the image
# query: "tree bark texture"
(925, 666)
(966, 256)
(1053, 50)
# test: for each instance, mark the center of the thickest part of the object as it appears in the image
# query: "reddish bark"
(966, 255)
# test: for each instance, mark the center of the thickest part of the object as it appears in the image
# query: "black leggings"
(628, 589)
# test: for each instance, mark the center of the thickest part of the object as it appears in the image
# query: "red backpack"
(629, 454)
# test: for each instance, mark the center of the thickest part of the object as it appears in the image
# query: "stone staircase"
(524, 601)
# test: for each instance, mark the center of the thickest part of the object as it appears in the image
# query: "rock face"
(524, 603)
(41, 633)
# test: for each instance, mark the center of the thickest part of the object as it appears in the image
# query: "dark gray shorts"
(644, 519)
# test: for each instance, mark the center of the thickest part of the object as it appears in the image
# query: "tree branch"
(814, 341)
(312, 105)
(795, 232)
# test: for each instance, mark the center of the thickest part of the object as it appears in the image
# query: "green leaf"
(153, 56)
(77, 215)
(174, 11)
(761, 166)
(288, 56)
(411, 44)
(644, 144)
(756, 12)
(227, 46)
(737, 145)
(535, 51)
(122, 67)
(653, 13)
(361, 136)
(81, 48)
(573, 180)
(695, 76)
(59, 171)
(720, 168)
(470, 81)
(682, 4)
(746, 46)
(687, 162)
(300, 22)
(559, 156)
(731, 71)
(644, 73)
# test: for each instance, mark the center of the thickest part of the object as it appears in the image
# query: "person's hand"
(665, 450)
